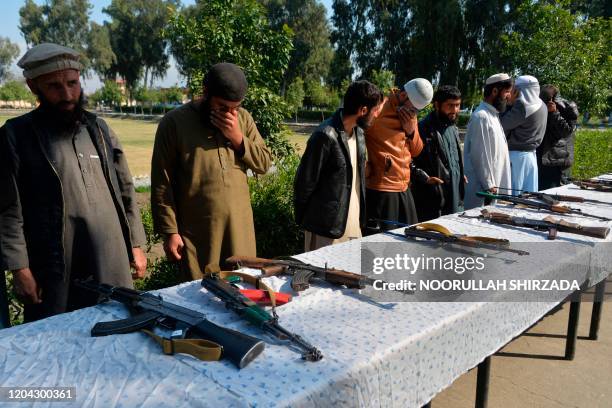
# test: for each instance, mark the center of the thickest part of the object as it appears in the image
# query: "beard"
(58, 113)
(365, 122)
(500, 104)
(446, 119)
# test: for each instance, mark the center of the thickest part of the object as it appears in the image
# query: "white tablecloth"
(400, 355)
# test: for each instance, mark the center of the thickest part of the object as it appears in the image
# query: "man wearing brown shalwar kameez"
(199, 191)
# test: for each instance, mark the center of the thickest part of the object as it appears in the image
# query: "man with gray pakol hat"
(68, 208)
(485, 150)
(392, 141)
(525, 125)
(199, 191)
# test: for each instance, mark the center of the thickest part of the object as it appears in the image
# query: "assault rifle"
(436, 232)
(555, 208)
(150, 310)
(549, 224)
(247, 309)
(302, 273)
(594, 184)
(553, 198)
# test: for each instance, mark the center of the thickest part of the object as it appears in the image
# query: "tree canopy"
(236, 31)
(8, 52)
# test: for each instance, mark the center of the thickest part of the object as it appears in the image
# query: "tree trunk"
(146, 75)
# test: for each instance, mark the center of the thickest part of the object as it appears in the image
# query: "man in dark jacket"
(68, 208)
(556, 153)
(438, 182)
(329, 187)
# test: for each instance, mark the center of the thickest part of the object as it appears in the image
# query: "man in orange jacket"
(391, 142)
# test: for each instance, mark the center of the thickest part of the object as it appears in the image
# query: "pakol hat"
(48, 57)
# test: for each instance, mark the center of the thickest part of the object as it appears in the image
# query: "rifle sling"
(201, 349)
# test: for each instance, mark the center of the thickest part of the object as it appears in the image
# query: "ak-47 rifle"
(247, 309)
(302, 273)
(594, 184)
(437, 232)
(550, 224)
(555, 208)
(553, 198)
(151, 310)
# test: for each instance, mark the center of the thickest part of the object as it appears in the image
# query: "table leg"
(482, 383)
(600, 289)
(572, 326)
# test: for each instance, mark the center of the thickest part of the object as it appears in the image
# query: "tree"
(66, 22)
(294, 96)
(144, 96)
(100, 51)
(238, 32)
(558, 47)
(312, 53)
(110, 94)
(16, 91)
(384, 80)
(8, 52)
(136, 38)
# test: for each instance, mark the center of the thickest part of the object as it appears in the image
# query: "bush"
(162, 274)
(147, 222)
(592, 153)
(15, 306)
(272, 201)
(314, 115)
(463, 119)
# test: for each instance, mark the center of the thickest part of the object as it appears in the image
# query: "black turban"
(227, 81)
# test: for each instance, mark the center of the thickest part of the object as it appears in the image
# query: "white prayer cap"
(493, 79)
(48, 57)
(420, 92)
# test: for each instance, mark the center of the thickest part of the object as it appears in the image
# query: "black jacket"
(32, 202)
(432, 162)
(323, 181)
(557, 148)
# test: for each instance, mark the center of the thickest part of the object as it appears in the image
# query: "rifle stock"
(549, 223)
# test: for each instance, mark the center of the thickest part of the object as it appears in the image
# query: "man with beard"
(68, 208)
(329, 187)
(437, 175)
(392, 142)
(199, 191)
(485, 152)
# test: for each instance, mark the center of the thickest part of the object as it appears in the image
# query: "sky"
(9, 23)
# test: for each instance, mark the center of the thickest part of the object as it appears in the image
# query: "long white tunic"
(485, 155)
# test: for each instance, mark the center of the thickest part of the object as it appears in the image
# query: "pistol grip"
(129, 325)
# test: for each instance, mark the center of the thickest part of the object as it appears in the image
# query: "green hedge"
(272, 202)
(592, 153)
(312, 116)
